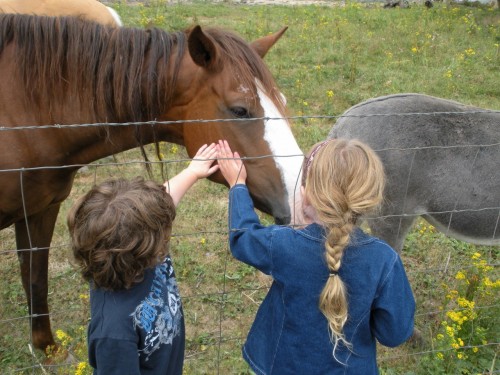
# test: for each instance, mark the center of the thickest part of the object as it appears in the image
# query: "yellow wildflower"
(465, 303)
(470, 52)
(80, 370)
(452, 294)
(450, 331)
(63, 337)
(457, 317)
(492, 284)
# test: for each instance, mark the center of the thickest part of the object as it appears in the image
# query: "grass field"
(329, 59)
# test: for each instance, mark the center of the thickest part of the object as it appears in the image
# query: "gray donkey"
(442, 161)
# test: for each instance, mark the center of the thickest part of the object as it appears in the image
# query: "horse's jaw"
(287, 154)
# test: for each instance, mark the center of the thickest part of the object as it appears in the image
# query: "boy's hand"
(202, 164)
(230, 165)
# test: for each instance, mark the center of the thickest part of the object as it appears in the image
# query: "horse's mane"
(116, 72)
(60, 56)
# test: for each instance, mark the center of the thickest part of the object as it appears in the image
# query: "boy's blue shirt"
(139, 330)
(290, 334)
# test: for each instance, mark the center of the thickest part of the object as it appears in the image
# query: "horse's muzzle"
(284, 220)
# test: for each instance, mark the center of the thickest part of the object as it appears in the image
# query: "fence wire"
(218, 299)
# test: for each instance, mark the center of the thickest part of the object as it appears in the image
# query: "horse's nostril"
(282, 220)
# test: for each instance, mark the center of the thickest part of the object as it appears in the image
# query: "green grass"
(329, 59)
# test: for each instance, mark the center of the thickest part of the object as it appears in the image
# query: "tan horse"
(91, 10)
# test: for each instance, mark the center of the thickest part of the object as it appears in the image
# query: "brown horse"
(92, 10)
(66, 71)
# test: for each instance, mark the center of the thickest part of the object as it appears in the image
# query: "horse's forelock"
(247, 64)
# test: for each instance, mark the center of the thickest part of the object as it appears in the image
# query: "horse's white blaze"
(286, 151)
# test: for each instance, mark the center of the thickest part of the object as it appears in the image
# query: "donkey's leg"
(33, 241)
(392, 230)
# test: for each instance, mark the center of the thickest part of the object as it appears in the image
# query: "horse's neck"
(86, 145)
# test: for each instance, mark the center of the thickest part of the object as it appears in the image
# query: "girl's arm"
(248, 239)
(201, 166)
(393, 310)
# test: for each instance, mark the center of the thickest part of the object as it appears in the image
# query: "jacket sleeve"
(249, 241)
(394, 307)
(114, 357)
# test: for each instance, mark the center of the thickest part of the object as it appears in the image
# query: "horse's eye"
(240, 112)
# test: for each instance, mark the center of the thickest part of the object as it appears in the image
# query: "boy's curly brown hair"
(120, 228)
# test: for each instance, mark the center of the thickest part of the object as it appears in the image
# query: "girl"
(335, 290)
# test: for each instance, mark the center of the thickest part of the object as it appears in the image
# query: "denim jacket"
(290, 334)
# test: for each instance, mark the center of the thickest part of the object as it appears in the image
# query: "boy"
(120, 232)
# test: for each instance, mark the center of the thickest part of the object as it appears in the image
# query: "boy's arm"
(114, 357)
(200, 167)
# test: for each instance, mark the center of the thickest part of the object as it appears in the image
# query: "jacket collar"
(316, 232)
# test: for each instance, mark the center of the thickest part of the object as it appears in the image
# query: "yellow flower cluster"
(491, 284)
(457, 317)
(470, 52)
(81, 368)
(63, 337)
(426, 229)
(461, 330)
(463, 302)
(452, 294)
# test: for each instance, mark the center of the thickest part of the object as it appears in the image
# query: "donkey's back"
(441, 160)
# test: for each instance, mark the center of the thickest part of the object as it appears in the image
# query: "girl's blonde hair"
(344, 179)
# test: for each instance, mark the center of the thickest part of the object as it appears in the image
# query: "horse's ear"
(202, 49)
(262, 45)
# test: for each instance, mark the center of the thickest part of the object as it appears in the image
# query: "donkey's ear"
(262, 45)
(202, 49)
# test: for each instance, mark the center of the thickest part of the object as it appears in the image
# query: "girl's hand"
(230, 165)
(202, 164)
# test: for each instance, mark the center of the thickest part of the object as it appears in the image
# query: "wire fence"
(217, 335)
